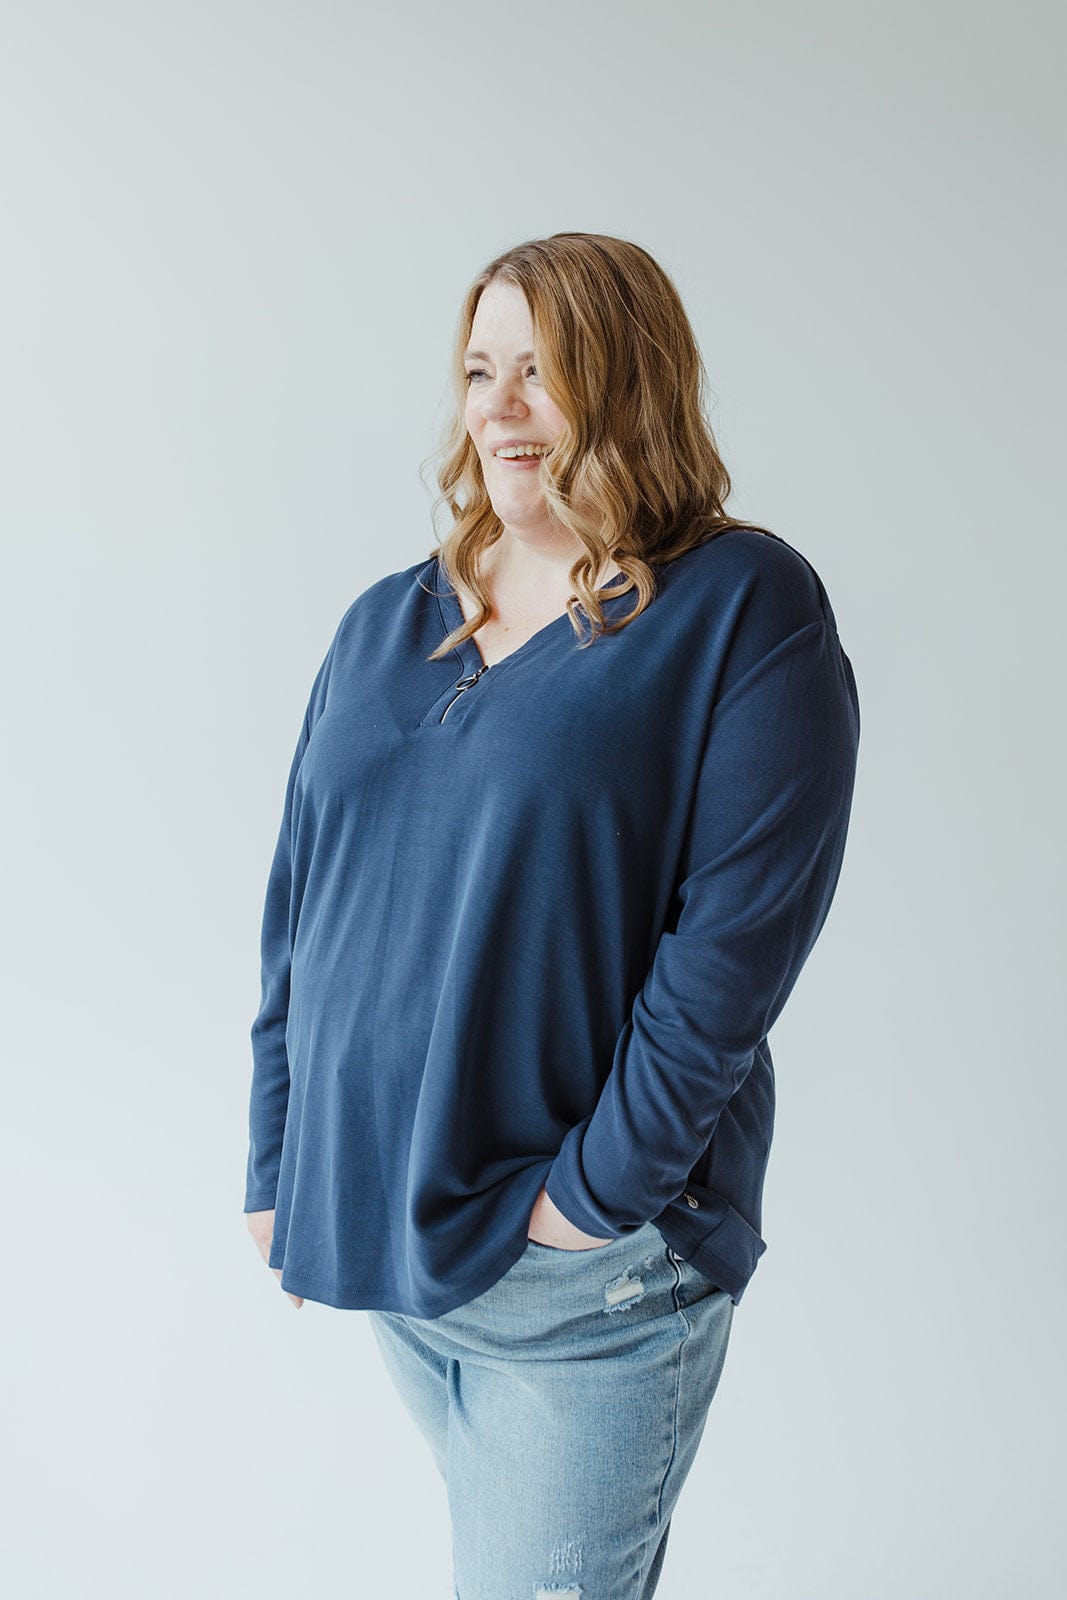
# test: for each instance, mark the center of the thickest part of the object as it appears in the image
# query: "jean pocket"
(559, 1250)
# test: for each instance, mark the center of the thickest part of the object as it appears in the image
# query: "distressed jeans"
(564, 1407)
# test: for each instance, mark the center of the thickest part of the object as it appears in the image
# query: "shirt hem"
(723, 1273)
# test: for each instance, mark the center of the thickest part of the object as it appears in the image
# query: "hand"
(261, 1227)
(549, 1226)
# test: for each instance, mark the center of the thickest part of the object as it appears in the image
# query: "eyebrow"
(480, 355)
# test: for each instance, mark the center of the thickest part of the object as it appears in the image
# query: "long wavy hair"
(635, 475)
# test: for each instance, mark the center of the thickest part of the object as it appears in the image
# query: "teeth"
(521, 450)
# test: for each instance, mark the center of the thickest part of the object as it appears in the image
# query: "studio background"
(236, 238)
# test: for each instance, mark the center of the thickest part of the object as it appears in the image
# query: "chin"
(522, 510)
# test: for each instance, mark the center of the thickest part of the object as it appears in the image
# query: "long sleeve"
(760, 865)
(269, 1097)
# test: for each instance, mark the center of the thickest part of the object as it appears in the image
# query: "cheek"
(553, 416)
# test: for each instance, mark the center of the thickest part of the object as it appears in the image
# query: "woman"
(564, 820)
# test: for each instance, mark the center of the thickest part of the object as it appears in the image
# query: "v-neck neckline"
(453, 617)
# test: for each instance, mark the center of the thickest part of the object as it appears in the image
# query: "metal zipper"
(463, 684)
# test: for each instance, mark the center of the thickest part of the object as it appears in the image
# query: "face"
(506, 404)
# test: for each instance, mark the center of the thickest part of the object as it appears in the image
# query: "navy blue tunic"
(531, 924)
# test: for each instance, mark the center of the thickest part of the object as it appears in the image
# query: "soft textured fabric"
(564, 1408)
(531, 924)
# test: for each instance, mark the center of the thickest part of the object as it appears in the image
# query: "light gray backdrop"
(235, 239)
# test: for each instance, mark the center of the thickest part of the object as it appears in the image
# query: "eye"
(479, 372)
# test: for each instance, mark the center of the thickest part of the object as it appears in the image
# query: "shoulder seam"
(788, 643)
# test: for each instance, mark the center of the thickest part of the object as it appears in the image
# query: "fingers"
(297, 1299)
(261, 1227)
(548, 1225)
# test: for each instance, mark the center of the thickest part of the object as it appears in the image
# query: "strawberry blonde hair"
(616, 354)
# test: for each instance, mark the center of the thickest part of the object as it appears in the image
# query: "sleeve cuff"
(568, 1191)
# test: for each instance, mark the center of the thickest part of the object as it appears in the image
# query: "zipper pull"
(463, 684)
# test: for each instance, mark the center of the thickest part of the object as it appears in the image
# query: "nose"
(502, 399)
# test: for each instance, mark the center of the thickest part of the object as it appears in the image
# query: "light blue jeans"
(564, 1407)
